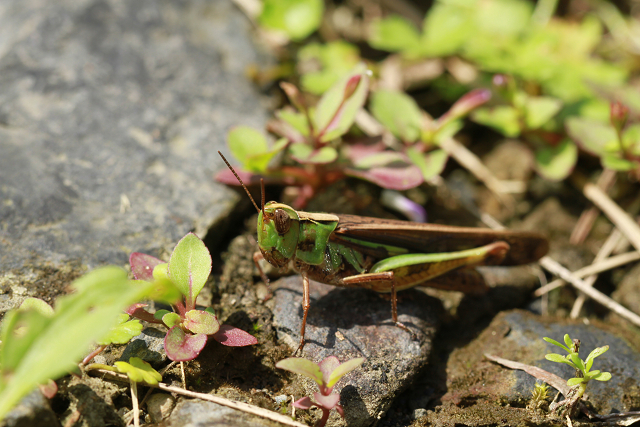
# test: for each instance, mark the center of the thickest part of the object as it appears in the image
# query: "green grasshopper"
(383, 255)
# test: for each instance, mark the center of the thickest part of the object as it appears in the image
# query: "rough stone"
(111, 113)
(349, 323)
(33, 409)
(148, 346)
(196, 413)
(159, 406)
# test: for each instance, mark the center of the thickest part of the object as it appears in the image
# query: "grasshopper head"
(278, 230)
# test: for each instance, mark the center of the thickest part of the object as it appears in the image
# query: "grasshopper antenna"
(262, 195)
(244, 186)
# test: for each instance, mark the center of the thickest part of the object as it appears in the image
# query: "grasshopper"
(384, 255)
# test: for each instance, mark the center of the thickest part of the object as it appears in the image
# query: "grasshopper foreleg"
(306, 303)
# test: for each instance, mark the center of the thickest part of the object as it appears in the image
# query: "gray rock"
(32, 410)
(197, 413)
(349, 323)
(111, 113)
(159, 406)
(148, 346)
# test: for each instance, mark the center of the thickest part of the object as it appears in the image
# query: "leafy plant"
(39, 344)
(326, 374)
(584, 374)
(314, 150)
(189, 328)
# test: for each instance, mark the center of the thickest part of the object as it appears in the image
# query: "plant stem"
(134, 400)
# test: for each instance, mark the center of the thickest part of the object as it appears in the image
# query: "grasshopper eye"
(282, 221)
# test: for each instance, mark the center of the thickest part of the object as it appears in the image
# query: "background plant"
(552, 81)
(189, 328)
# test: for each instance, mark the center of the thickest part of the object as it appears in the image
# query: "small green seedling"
(326, 374)
(584, 374)
(138, 371)
(189, 328)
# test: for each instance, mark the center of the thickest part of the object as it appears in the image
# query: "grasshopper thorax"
(278, 231)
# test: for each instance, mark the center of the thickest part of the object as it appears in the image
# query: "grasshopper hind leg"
(386, 276)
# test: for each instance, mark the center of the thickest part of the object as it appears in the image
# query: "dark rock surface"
(110, 117)
(33, 410)
(349, 323)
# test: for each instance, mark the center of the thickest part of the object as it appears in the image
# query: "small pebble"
(159, 406)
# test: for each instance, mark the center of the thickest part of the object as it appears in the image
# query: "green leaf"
(171, 319)
(302, 366)
(593, 136)
(122, 332)
(539, 110)
(38, 305)
(504, 119)
(503, 17)
(597, 352)
(201, 322)
(250, 147)
(139, 371)
(603, 376)
(189, 267)
(343, 369)
(306, 154)
(336, 59)
(554, 342)
(556, 163)
(614, 162)
(431, 164)
(296, 18)
(577, 361)
(398, 112)
(394, 34)
(337, 108)
(569, 342)
(48, 347)
(557, 358)
(446, 28)
(575, 381)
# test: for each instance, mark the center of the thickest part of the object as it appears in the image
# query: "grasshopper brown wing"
(526, 247)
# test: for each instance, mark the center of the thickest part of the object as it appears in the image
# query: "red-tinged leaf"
(326, 401)
(138, 311)
(393, 178)
(142, 265)
(180, 346)
(201, 322)
(304, 403)
(327, 365)
(359, 150)
(234, 337)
